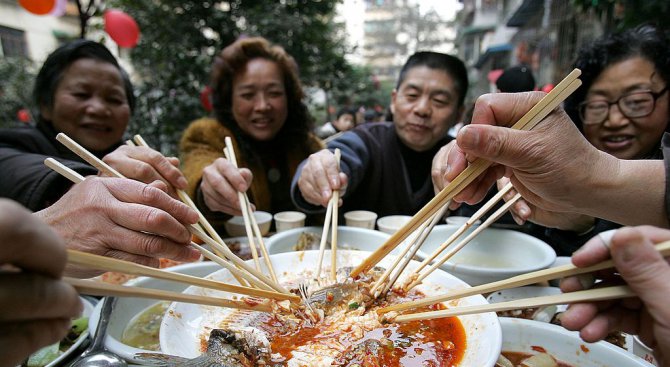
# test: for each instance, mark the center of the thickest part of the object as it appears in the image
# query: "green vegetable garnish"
(44, 356)
(353, 305)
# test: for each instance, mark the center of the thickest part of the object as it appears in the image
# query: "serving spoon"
(96, 355)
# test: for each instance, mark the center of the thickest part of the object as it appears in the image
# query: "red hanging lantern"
(39, 7)
(122, 28)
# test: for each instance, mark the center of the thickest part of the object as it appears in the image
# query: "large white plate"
(521, 335)
(88, 309)
(184, 324)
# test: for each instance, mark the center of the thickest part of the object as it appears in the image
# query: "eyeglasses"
(633, 105)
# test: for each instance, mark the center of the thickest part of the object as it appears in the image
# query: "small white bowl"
(127, 308)
(235, 225)
(494, 254)
(349, 238)
(392, 223)
(524, 336)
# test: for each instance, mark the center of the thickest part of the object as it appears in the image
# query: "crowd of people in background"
(600, 163)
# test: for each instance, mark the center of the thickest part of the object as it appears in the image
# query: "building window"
(12, 43)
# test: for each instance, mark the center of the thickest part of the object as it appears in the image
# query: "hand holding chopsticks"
(250, 273)
(476, 168)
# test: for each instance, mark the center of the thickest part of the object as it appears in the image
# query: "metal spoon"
(96, 355)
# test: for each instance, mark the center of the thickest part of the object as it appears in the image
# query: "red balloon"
(547, 88)
(122, 28)
(206, 99)
(23, 115)
(39, 7)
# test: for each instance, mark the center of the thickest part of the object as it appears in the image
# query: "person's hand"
(523, 211)
(220, 183)
(546, 165)
(123, 219)
(645, 271)
(320, 177)
(36, 306)
(147, 165)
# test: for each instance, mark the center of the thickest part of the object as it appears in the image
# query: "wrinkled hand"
(221, 181)
(123, 219)
(147, 165)
(35, 305)
(320, 177)
(538, 161)
(645, 271)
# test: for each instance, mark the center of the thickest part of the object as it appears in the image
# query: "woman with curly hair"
(257, 99)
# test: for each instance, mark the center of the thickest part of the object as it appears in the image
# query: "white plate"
(184, 324)
(88, 310)
(521, 335)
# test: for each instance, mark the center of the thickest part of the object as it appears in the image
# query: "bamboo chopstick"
(517, 281)
(492, 218)
(590, 295)
(335, 199)
(94, 288)
(139, 141)
(469, 223)
(60, 168)
(419, 242)
(245, 205)
(411, 248)
(324, 237)
(127, 267)
(541, 110)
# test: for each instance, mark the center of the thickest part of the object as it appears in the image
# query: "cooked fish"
(225, 348)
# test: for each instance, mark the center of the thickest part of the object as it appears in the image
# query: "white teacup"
(289, 220)
(360, 218)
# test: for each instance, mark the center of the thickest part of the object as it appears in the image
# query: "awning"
(493, 50)
(477, 29)
(525, 12)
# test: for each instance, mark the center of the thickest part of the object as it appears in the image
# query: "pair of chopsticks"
(238, 267)
(250, 224)
(393, 272)
(596, 294)
(331, 219)
(233, 263)
(202, 221)
(420, 276)
(536, 114)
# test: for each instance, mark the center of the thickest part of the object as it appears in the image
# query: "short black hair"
(451, 65)
(516, 79)
(646, 41)
(53, 68)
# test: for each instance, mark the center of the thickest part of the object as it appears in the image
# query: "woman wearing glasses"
(622, 108)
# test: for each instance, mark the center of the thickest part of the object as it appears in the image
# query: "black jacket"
(23, 175)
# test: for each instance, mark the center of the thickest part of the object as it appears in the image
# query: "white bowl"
(127, 308)
(520, 335)
(235, 225)
(392, 223)
(185, 324)
(351, 238)
(494, 254)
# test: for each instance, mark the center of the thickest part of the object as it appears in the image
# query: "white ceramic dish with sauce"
(185, 324)
(527, 336)
(127, 308)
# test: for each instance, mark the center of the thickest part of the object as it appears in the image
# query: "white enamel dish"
(184, 325)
